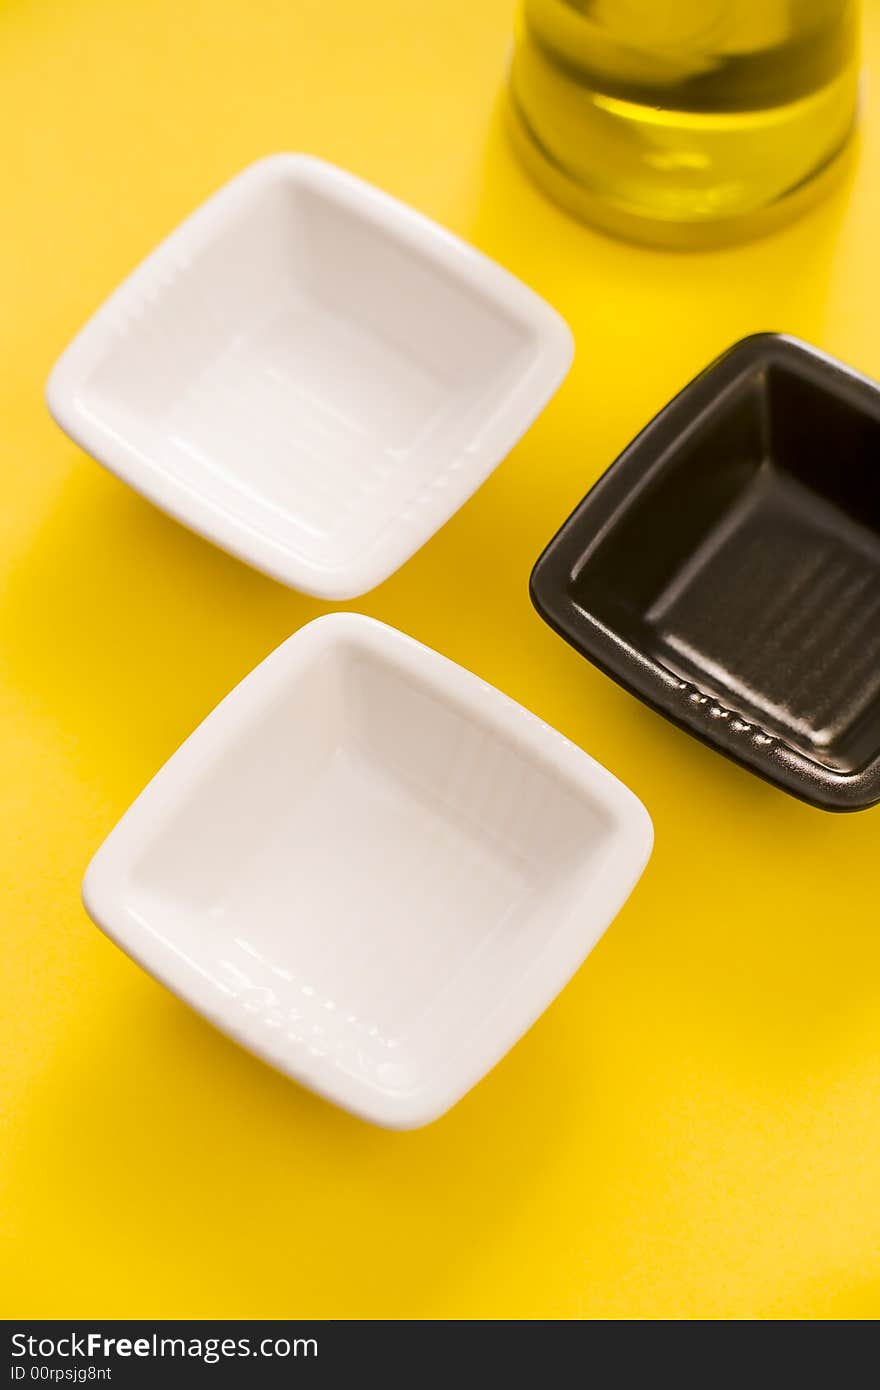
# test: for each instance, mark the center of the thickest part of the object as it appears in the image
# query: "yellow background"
(693, 1129)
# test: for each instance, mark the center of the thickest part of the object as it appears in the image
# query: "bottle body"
(684, 121)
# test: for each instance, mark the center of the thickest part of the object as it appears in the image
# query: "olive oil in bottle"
(684, 122)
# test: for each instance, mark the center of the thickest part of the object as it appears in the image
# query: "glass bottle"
(685, 122)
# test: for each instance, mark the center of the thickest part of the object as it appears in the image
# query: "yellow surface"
(693, 1130)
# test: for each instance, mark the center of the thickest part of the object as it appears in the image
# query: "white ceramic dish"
(370, 868)
(311, 375)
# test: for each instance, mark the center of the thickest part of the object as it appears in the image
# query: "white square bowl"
(311, 375)
(370, 868)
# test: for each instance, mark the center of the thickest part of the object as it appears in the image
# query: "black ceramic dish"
(726, 569)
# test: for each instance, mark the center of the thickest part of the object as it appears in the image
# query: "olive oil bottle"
(685, 122)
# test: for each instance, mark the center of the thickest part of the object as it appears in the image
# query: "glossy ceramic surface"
(726, 569)
(311, 375)
(370, 868)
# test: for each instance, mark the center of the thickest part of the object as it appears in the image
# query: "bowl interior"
(370, 868)
(308, 367)
(750, 565)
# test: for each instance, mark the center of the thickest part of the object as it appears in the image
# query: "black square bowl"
(726, 569)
